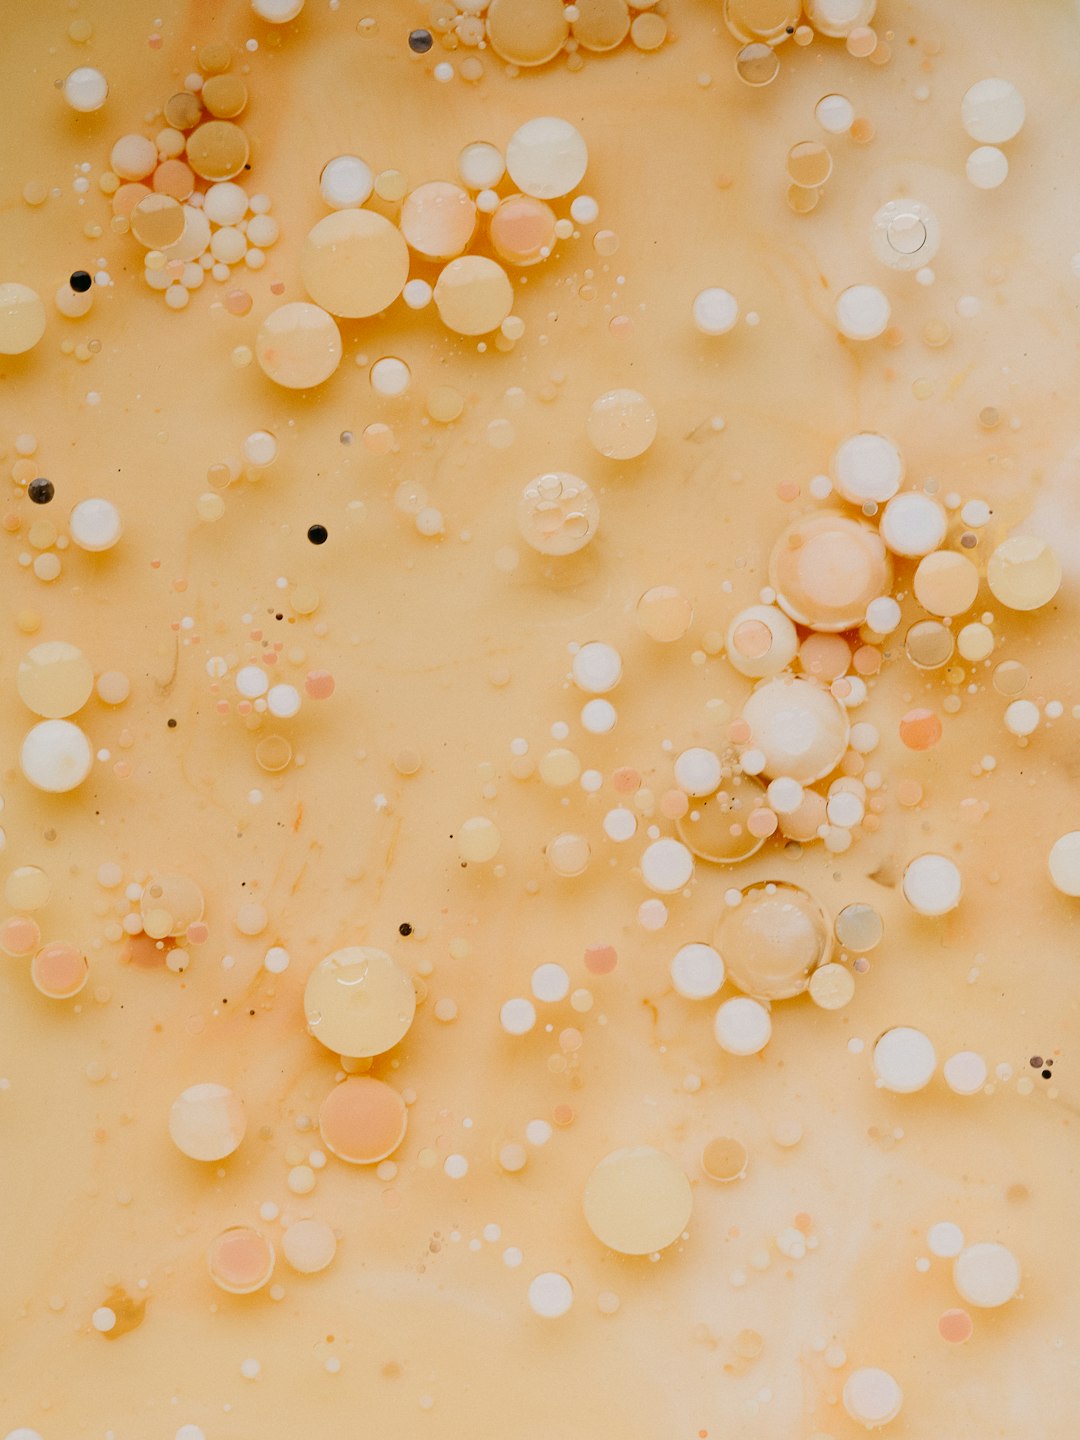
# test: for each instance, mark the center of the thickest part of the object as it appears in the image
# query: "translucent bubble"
(86, 89)
(621, 424)
(905, 234)
(558, 513)
(773, 940)
(757, 65)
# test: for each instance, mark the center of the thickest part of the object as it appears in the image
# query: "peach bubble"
(601, 959)
(59, 970)
(909, 793)
(241, 1260)
(19, 936)
(920, 730)
(173, 177)
(319, 684)
(626, 781)
(826, 657)
(955, 1326)
(363, 1120)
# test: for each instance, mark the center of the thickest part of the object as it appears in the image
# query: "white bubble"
(932, 885)
(517, 1016)
(986, 1275)
(945, 1239)
(715, 311)
(596, 668)
(667, 866)
(993, 111)
(1064, 863)
(86, 90)
(742, 1026)
(872, 1397)
(904, 1060)
(697, 971)
(698, 771)
(550, 1295)
(862, 312)
(986, 167)
(550, 983)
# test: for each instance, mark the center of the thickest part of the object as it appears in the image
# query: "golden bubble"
(809, 164)
(157, 221)
(600, 24)
(22, 318)
(218, 150)
(224, 96)
(473, 295)
(183, 111)
(768, 20)
(527, 32)
(716, 830)
(298, 346)
(55, 679)
(358, 1002)
(637, 1200)
(355, 263)
(929, 644)
(724, 1159)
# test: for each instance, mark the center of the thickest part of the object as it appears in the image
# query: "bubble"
(363, 1120)
(54, 679)
(932, 885)
(872, 1397)
(862, 312)
(59, 971)
(568, 855)
(929, 644)
(809, 164)
(621, 424)
(1064, 863)
(346, 182)
(298, 346)
(697, 971)
(546, 157)
(904, 1060)
(158, 221)
(742, 1026)
(637, 1200)
(481, 165)
(905, 234)
(698, 771)
(859, 928)
(86, 89)
(993, 111)
(761, 641)
(913, 524)
(835, 114)
(56, 756)
(831, 986)
(715, 829)
(277, 12)
(240, 1260)
(169, 904)
(517, 1017)
(1024, 573)
(800, 729)
(986, 1275)
(550, 1295)
(527, 35)
(773, 940)
(207, 1122)
(757, 65)
(765, 20)
(522, 230)
(309, 1246)
(946, 583)
(358, 1002)
(664, 614)
(354, 263)
(473, 295)
(715, 311)
(22, 318)
(224, 96)
(596, 668)
(986, 167)
(225, 203)
(438, 220)
(478, 840)
(558, 513)
(217, 150)
(390, 377)
(965, 1072)
(826, 568)
(600, 25)
(667, 866)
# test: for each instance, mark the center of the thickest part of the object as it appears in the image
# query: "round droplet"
(55, 679)
(345, 182)
(826, 568)
(550, 1295)
(906, 234)
(768, 20)
(715, 311)
(913, 524)
(929, 644)
(157, 221)
(240, 1260)
(945, 583)
(867, 468)
(358, 1002)
(993, 111)
(56, 756)
(904, 1060)
(363, 1120)
(473, 295)
(478, 840)
(862, 312)
(309, 1246)
(529, 34)
(522, 230)
(667, 866)
(965, 1072)
(207, 1122)
(832, 986)
(355, 263)
(217, 150)
(1064, 863)
(22, 318)
(716, 830)
(932, 885)
(872, 1397)
(835, 113)
(664, 614)
(169, 904)
(596, 668)
(621, 424)
(742, 1026)
(298, 346)
(987, 167)
(546, 157)
(86, 89)
(799, 727)
(697, 971)
(27, 888)
(59, 970)
(859, 928)
(773, 940)
(761, 641)
(637, 1201)
(724, 1159)
(986, 1275)
(809, 164)
(1024, 573)
(558, 513)
(438, 220)
(600, 25)
(481, 165)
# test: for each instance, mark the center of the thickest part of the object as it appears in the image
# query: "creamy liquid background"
(96, 1194)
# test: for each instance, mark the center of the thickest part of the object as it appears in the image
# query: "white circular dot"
(666, 866)
(1064, 863)
(345, 182)
(862, 312)
(596, 668)
(742, 1026)
(698, 771)
(86, 89)
(715, 311)
(697, 971)
(987, 167)
(913, 524)
(56, 756)
(965, 1072)
(904, 1060)
(95, 525)
(599, 717)
(620, 824)
(835, 114)
(993, 111)
(945, 1239)
(390, 377)
(283, 701)
(986, 1275)
(550, 1294)
(550, 983)
(872, 1397)
(932, 885)
(867, 467)
(517, 1016)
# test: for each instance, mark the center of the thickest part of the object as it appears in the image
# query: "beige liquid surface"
(447, 638)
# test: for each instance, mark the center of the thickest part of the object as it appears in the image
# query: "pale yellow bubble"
(1024, 573)
(354, 263)
(54, 679)
(773, 940)
(22, 318)
(621, 424)
(946, 583)
(27, 888)
(664, 614)
(358, 1002)
(529, 34)
(473, 295)
(558, 513)
(298, 346)
(637, 1200)
(169, 904)
(478, 840)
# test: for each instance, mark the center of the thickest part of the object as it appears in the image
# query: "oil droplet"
(358, 1002)
(637, 1200)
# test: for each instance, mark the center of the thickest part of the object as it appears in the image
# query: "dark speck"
(404, 928)
(80, 281)
(41, 491)
(420, 41)
(318, 534)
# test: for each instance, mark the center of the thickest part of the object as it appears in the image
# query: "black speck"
(80, 281)
(404, 928)
(171, 724)
(420, 41)
(318, 534)
(1036, 1061)
(41, 491)
(1046, 1074)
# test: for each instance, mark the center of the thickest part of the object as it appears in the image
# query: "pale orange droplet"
(909, 793)
(59, 970)
(955, 1326)
(761, 823)
(788, 490)
(563, 1115)
(19, 936)
(920, 729)
(867, 660)
(241, 1260)
(626, 781)
(363, 1120)
(738, 732)
(826, 657)
(600, 959)
(319, 684)
(674, 803)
